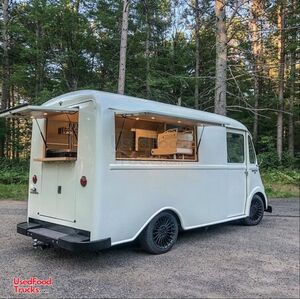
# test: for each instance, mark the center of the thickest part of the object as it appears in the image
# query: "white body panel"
(121, 197)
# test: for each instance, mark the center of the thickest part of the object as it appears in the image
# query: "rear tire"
(160, 234)
(256, 212)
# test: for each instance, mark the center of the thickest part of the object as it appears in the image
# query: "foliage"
(61, 46)
(268, 159)
(13, 191)
(281, 183)
(14, 171)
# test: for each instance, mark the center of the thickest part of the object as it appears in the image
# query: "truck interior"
(61, 138)
(154, 137)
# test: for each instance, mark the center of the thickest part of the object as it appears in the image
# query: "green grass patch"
(14, 171)
(14, 191)
(281, 183)
(14, 179)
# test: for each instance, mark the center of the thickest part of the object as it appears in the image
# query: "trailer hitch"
(40, 245)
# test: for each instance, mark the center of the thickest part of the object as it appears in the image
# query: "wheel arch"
(262, 196)
(256, 191)
(176, 216)
(171, 210)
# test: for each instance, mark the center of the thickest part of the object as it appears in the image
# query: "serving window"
(154, 138)
(61, 135)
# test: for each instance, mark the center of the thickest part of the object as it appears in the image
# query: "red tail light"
(34, 179)
(83, 181)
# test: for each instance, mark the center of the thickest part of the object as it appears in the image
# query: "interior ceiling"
(174, 120)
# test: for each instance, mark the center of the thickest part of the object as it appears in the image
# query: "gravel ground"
(225, 260)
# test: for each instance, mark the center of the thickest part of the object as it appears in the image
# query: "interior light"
(179, 121)
(152, 117)
(45, 113)
(137, 118)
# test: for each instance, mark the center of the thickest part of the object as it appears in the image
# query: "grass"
(13, 191)
(14, 179)
(281, 183)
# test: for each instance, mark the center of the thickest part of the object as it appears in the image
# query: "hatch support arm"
(43, 137)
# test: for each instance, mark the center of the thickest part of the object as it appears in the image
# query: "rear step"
(47, 235)
(61, 236)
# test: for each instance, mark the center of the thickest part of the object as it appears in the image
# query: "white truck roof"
(138, 105)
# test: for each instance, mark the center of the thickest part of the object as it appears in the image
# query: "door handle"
(254, 170)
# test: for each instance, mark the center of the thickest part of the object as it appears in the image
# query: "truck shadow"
(132, 251)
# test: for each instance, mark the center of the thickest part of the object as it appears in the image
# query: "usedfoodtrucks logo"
(31, 285)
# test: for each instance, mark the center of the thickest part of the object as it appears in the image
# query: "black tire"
(160, 234)
(256, 212)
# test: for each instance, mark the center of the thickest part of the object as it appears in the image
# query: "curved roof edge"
(129, 103)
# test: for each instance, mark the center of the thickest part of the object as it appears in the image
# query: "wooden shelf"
(55, 159)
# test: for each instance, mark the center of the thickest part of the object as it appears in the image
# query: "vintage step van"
(107, 169)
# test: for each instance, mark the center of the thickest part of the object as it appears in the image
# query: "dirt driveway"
(221, 261)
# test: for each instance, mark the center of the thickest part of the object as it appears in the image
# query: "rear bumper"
(60, 236)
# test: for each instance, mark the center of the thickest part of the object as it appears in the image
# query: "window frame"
(242, 133)
(70, 143)
(194, 158)
(250, 141)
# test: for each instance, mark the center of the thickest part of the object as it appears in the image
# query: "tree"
(175, 55)
(5, 97)
(197, 52)
(256, 11)
(221, 58)
(123, 47)
(281, 67)
(292, 78)
(5, 93)
(147, 47)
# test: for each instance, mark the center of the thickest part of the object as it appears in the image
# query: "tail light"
(34, 179)
(83, 181)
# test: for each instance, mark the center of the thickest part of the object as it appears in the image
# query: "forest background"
(238, 58)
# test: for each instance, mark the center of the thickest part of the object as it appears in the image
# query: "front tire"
(256, 211)
(160, 234)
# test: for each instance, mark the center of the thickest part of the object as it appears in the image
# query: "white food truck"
(107, 169)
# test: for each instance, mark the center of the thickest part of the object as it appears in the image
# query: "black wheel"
(160, 234)
(256, 211)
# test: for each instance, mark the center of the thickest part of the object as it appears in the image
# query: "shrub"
(268, 159)
(14, 171)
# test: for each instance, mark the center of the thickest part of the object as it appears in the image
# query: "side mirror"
(260, 163)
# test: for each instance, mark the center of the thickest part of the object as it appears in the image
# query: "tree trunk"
(123, 47)
(221, 58)
(5, 65)
(292, 99)
(281, 60)
(147, 51)
(38, 63)
(5, 96)
(292, 90)
(197, 54)
(256, 53)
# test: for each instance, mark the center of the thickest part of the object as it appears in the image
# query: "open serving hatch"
(58, 128)
(30, 111)
(150, 135)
